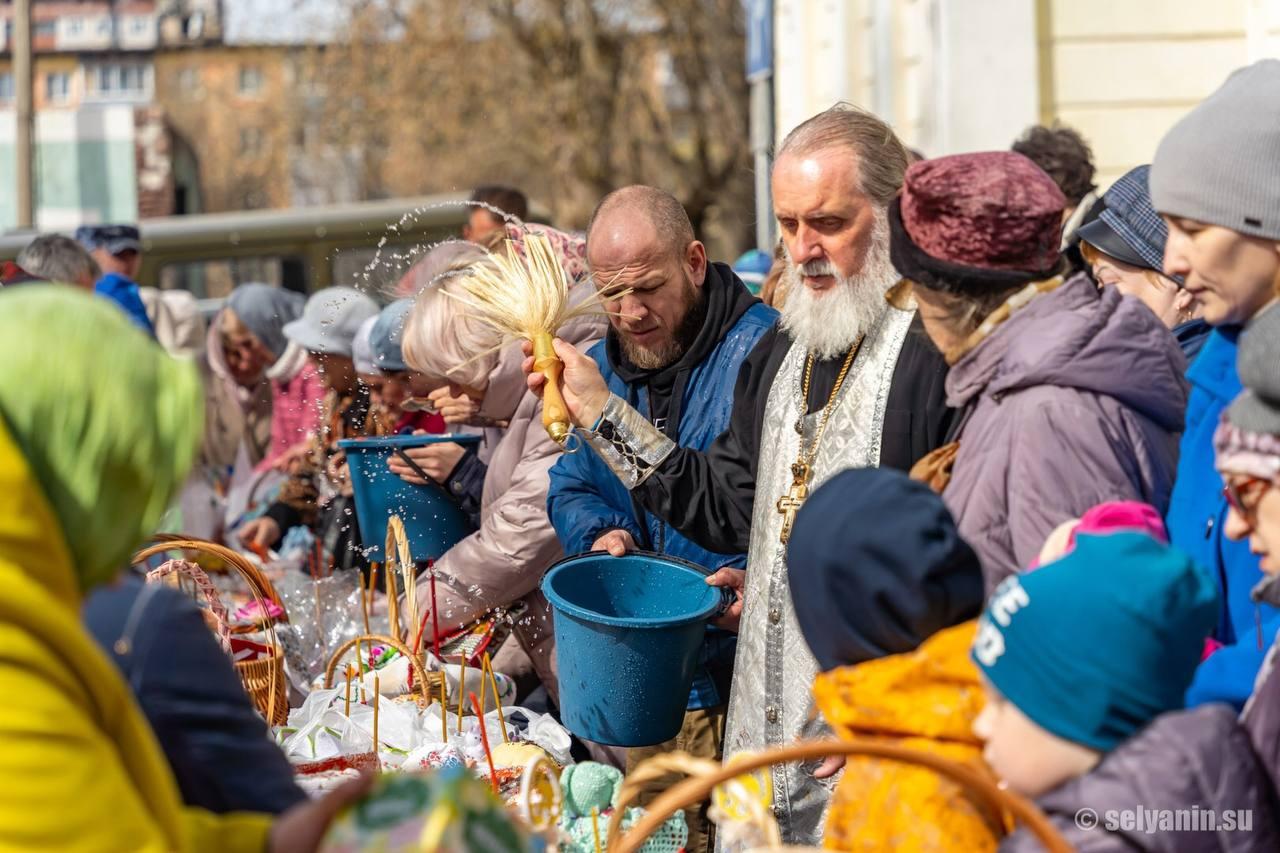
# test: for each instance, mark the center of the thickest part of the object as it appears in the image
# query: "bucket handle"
(430, 481)
(727, 596)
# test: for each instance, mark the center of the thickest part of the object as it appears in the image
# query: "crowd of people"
(991, 467)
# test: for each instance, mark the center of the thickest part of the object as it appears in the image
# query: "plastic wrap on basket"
(324, 614)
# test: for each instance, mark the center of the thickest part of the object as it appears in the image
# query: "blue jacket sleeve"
(1228, 674)
(578, 507)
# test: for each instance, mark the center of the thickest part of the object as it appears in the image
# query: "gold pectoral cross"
(791, 502)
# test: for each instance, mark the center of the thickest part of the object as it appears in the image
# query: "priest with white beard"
(845, 381)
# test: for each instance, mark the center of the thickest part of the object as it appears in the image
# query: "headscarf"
(570, 247)
(91, 451)
(264, 310)
(109, 432)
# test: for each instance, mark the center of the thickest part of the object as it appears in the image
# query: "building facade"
(966, 75)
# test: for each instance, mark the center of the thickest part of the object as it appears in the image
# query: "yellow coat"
(79, 767)
(925, 700)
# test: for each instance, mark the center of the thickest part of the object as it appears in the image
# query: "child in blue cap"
(1082, 661)
(1055, 704)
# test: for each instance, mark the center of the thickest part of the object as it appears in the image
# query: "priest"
(844, 381)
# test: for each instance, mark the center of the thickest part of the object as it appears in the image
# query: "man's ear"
(695, 262)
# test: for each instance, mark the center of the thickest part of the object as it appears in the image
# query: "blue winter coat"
(125, 293)
(1196, 518)
(587, 499)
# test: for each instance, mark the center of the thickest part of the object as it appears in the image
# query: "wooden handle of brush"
(555, 414)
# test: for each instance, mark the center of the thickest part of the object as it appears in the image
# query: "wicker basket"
(264, 678)
(427, 683)
(704, 777)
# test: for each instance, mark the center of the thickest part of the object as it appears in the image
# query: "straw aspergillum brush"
(528, 298)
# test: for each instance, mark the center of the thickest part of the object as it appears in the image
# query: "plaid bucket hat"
(1129, 228)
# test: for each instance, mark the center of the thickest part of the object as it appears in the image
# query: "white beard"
(828, 323)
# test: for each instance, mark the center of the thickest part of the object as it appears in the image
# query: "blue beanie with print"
(1096, 645)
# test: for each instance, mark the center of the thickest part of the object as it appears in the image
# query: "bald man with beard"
(673, 350)
(844, 381)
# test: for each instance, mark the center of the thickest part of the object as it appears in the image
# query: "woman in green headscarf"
(93, 445)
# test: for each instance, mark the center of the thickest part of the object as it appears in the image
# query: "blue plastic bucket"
(432, 518)
(628, 631)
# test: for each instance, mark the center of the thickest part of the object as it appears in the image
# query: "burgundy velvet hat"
(971, 223)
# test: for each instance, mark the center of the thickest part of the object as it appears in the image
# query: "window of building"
(6, 86)
(119, 79)
(189, 80)
(45, 29)
(250, 80)
(75, 26)
(57, 87)
(138, 25)
(104, 26)
(250, 141)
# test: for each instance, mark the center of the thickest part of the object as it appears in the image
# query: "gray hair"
(882, 158)
(57, 258)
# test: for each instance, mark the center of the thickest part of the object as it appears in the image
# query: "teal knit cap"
(1096, 645)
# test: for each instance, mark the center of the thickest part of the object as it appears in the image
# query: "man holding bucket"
(675, 353)
(842, 382)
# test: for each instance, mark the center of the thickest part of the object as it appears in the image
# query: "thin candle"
(595, 827)
(435, 621)
(377, 695)
(364, 696)
(462, 689)
(444, 711)
(497, 699)
(346, 705)
(484, 740)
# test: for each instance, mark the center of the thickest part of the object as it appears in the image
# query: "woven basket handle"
(260, 585)
(419, 671)
(698, 787)
(196, 574)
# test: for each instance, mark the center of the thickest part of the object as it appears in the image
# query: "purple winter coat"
(1198, 758)
(1075, 400)
(1261, 716)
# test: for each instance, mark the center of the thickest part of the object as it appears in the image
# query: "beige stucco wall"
(1123, 71)
(964, 75)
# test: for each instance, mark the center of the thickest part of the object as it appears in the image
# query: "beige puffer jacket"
(503, 562)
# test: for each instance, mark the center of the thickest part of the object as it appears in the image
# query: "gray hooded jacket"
(1194, 762)
(1075, 400)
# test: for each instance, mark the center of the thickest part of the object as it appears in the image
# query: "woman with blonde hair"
(501, 563)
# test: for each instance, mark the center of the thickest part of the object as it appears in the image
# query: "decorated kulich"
(449, 811)
(517, 754)
(590, 792)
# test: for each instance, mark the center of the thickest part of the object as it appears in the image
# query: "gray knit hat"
(1248, 439)
(1218, 165)
(330, 319)
(362, 348)
(387, 335)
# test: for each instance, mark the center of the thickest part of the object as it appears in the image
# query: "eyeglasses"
(1243, 496)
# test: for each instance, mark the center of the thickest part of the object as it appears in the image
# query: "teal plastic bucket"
(432, 517)
(628, 632)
